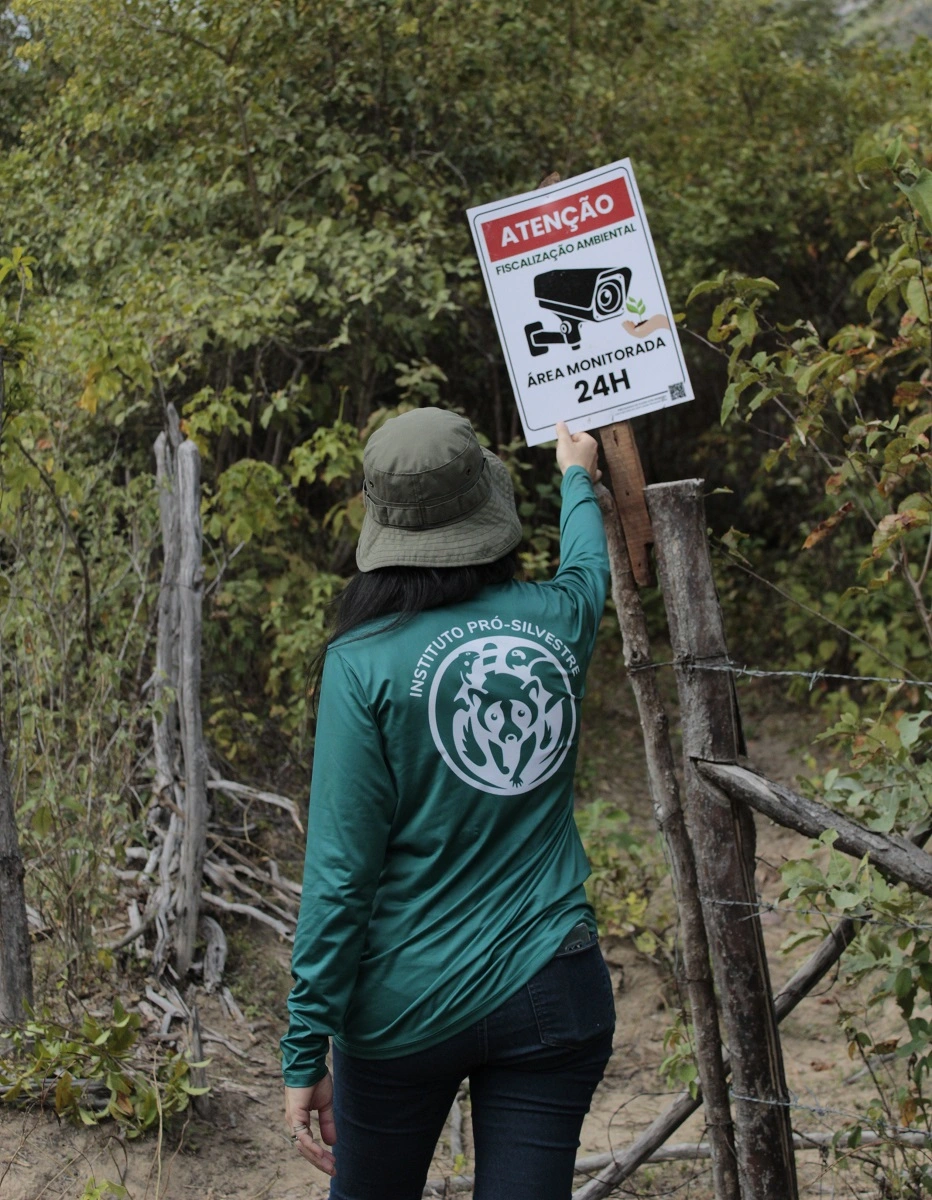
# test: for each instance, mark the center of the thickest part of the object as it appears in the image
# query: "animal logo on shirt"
(502, 713)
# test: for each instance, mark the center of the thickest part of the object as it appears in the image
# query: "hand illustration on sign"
(646, 327)
(587, 294)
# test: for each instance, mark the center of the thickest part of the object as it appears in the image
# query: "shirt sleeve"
(583, 568)
(353, 799)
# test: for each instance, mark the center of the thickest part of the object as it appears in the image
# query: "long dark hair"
(402, 593)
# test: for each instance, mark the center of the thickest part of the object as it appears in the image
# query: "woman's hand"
(579, 450)
(299, 1104)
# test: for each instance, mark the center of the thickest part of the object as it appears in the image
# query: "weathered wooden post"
(177, 683)
(665, 797)
(190, 598)
(166, 647)
(723, 836)
(15, 949)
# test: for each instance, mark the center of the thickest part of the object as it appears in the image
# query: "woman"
(444, 930)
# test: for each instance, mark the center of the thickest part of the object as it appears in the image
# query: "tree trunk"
(15, 952)
(665, 796)
(723, 837)
(165, 679)
(190, 591)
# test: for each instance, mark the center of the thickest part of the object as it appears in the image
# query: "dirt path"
(242, 1152)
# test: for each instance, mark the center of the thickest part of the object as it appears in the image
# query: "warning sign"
(580, 304)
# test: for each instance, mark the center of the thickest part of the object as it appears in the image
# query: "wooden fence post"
(190, 596)
(15, 948)
(723, 837)
(166, 645)
(627, 476)
(665, 797)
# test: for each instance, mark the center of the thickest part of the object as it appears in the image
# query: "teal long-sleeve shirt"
(443, 865)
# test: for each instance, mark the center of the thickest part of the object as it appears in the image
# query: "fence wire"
(814, 677)
(755, 908)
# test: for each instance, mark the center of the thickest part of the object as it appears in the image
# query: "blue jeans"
(532, 1064)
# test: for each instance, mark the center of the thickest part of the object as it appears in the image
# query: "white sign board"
(579, 302)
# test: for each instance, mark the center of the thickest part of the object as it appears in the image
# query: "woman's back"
(444, 931)
(442, 798)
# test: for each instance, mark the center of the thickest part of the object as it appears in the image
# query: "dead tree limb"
(190, 589)
(165, 676)
(686, 1151)
(251, 793)
(215, 953)
(723, 838)
(665, 797)
(895, 857)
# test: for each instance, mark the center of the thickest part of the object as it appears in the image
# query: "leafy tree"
(256, 211)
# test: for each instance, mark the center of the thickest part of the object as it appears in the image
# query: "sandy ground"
(241, 1151)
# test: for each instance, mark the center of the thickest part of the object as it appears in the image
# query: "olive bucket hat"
(434, 497)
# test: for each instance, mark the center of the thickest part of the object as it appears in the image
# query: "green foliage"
(624, 876)
(105, 1190)
(89, 1074)
(847, 407)
(678, 1066)
(255, 211)
(853, 414)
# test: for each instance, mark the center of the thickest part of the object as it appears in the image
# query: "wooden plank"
(723, 838)
(627, 476)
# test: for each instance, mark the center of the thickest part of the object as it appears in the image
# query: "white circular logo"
(502, 713)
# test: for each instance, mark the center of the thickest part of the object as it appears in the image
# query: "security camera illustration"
(587, 294)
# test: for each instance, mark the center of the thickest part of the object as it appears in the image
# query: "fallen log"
(894, 856)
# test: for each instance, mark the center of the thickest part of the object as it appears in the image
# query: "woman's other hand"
(577, 450)
(299, 1104)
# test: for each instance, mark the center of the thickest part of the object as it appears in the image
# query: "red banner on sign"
(558, 220)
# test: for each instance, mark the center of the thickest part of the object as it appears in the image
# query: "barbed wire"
(879, 1126)
(758, 907)
(814, 677)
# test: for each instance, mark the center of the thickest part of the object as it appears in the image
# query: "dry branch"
(895, 857)
(247, 910)
(251, 793)
(215, 953)
(686, 1151)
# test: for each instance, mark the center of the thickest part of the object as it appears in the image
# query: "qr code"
(677, 391)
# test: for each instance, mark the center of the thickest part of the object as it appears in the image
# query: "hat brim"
(482, 536)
